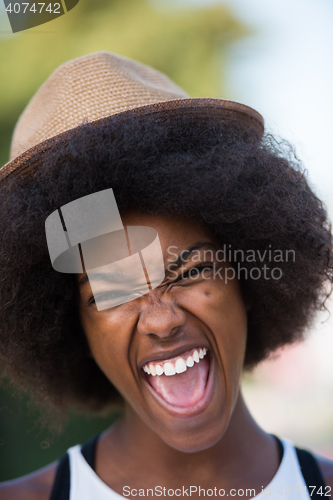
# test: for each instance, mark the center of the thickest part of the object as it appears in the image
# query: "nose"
(160, 316)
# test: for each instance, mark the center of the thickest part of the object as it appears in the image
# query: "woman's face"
(195, 309)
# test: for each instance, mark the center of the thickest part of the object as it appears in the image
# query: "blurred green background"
(190, 45)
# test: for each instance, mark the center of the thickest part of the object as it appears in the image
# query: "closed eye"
(196, 270)
(192, 273)
(106, 296)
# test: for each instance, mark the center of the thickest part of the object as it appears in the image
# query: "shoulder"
(326, 468)
(34, 486)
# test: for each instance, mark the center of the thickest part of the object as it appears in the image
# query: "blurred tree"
(188, 45)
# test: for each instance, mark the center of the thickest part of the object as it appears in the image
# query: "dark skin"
(219, 443)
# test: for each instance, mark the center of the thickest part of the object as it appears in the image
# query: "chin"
(195, 440)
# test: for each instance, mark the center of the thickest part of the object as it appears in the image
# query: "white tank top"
(288, 481)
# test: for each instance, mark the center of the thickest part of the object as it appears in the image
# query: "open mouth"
(180, 381)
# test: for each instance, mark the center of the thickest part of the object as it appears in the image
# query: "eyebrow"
(178, 262)
(83, 280)
(184, 256)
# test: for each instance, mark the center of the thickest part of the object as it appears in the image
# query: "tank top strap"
(310, 471)
(61, 485)
(313, 477)
(88, 450)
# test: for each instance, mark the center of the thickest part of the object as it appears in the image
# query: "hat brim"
(203, 109)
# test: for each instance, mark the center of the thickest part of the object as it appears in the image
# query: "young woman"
(246, 249)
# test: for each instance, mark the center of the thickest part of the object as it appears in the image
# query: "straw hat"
(103, 87)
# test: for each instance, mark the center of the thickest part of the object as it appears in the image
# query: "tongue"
(183, 389)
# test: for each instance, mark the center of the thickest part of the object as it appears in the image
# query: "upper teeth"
(175, 365)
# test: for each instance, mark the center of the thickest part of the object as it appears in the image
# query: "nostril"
(160, 320)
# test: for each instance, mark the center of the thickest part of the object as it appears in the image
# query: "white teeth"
(189, 361)
(152, 369)
(180, 366)
(196, 356)
(159, 370)
(169, 369)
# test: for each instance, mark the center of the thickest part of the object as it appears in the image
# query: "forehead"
(175, 233)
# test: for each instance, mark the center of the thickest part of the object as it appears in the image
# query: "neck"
(134, 443)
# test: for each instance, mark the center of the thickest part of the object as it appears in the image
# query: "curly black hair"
(251, 192)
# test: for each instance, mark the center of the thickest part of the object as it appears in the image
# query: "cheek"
(109, 336)
(220, 306)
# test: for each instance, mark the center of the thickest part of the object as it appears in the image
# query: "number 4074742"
(26, 7)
